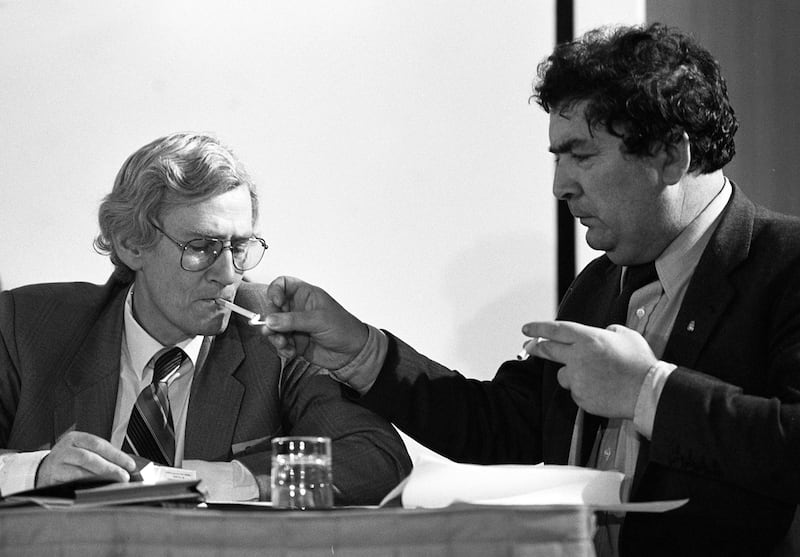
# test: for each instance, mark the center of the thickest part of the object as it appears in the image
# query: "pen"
(252, 317)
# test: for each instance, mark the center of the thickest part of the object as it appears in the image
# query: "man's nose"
(222, 270)
(565, 186)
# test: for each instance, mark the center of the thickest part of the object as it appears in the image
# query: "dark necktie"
(151, 433)
(604, 453)
(636, 276)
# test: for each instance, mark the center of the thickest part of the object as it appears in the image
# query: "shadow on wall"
(527, 293)
(524, 269)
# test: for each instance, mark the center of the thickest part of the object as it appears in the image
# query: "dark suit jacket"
(59, 370)
(727, 427)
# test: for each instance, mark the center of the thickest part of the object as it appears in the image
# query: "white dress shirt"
(136, 373)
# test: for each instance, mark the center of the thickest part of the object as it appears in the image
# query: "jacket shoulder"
(778, 231)
(70, 297)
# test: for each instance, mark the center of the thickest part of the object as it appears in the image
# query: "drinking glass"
(301, 473)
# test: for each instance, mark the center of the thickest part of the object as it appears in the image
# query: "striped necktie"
(151, 433)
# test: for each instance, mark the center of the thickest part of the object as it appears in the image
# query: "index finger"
(566, 332)
(104, 449)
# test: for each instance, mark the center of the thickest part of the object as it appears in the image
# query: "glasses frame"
(185, 245)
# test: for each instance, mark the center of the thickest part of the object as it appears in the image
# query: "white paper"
(440, 483)
(155, 473)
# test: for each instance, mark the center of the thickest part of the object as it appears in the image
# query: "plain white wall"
(400, 164)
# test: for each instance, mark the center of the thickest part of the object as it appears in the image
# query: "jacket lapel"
(708, 295)
(710, 290)
(90, 382)
(209, 432)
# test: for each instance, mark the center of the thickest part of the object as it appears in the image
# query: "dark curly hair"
(646, 85)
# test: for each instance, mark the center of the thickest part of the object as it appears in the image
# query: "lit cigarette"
(252, 317)
(524, 354)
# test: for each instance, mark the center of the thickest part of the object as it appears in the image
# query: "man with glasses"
(154, 364)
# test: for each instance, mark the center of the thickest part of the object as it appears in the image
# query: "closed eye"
(577, 157)
(202, 245)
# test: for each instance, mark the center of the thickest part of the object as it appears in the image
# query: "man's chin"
(214, 326)
(598, 243)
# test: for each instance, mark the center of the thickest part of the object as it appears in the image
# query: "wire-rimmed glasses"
(201, 253)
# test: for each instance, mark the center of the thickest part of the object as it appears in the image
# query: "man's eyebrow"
(568, 145)
(198, 233)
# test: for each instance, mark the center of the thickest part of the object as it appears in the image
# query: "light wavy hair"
(178, 169)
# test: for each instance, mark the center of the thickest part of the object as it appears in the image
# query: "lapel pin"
(690, 326)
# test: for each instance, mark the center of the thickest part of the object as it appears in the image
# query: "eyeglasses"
(199, 254)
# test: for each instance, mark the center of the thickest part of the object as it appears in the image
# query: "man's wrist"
(360, 374)
(644, 415)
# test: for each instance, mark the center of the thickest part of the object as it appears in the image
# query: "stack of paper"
(440, 482)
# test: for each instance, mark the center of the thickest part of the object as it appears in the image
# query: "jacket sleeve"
(482, 422)
(9, 376)
(369, 457)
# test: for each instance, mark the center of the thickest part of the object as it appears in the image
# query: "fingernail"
(272, 321)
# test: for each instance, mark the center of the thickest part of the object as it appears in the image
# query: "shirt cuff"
(18, 471)
(644, 415)
(361, 373)
(225, 481)
(244, 484)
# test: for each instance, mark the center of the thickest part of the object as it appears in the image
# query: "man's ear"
(128, 253)
(677, 159)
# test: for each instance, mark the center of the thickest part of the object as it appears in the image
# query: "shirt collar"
(142, 347)
(677, 262)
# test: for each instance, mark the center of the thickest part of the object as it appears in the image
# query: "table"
(461, 531)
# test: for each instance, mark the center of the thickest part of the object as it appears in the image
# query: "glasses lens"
(248, 254)
(200, 254)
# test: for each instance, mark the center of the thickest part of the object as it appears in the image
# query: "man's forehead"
(568, 131)
(229, 213)
(571, 129)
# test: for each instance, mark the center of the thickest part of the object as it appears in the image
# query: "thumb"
(283, 290)
(277, 292)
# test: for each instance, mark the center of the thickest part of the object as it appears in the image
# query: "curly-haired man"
(675, 358)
